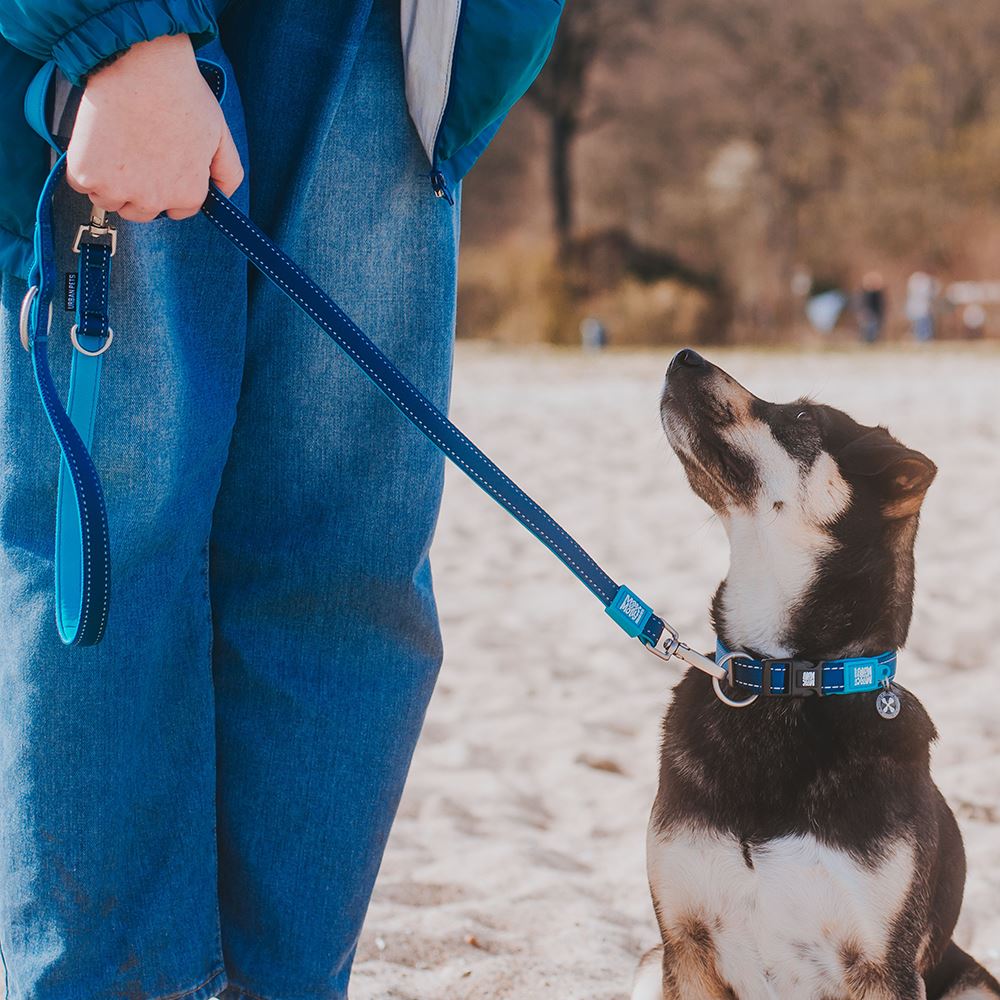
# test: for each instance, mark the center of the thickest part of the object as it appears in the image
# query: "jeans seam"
(206, 577)
(6, 973)
(194, 989)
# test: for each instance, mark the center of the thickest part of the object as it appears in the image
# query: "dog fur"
(798, 847)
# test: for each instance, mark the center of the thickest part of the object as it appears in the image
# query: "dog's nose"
(687, 359)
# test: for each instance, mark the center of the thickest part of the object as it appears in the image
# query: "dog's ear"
(902, 475)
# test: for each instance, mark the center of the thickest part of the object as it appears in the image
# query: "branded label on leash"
(629, 611)
(71, 280)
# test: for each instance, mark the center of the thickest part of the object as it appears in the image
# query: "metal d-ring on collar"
(726, 659)
(669, 645)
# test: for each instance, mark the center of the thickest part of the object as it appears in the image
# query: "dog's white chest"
(799, 920)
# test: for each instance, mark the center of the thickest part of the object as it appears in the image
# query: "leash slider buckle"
(25, 318)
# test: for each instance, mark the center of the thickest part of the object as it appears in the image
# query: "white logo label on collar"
(863, 675)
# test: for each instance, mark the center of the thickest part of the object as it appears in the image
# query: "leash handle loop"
(82, 552)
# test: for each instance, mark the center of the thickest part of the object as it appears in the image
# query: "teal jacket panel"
(500, 48)
(24, 161)
(78, 34)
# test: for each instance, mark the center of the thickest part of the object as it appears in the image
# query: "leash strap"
(82, 541)
(83, 562)
(794, 678)
(624, 606)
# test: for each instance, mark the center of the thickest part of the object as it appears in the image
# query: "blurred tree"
(591, 31)
(752, 140)
(794, 73)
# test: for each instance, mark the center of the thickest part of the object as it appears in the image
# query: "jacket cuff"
(123, 24)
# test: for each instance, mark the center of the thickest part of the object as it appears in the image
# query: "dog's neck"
(783, 597)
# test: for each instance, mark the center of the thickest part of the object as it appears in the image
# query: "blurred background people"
(973, 321)
(921, 291)
(593, 334)
(823, 310)
(871, 307)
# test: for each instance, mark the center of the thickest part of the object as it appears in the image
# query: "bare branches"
(758, 137)
(592, 30)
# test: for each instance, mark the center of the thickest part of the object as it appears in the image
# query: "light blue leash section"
(82, 556)
(83, 562)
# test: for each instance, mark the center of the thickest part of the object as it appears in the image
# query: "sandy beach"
(516, 868)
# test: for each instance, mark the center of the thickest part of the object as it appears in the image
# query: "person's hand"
(150, 134)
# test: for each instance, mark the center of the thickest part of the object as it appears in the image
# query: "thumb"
(226, 170)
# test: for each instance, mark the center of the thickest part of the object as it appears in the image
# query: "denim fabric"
(198, 806)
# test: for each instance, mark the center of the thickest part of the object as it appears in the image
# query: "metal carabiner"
(669, 645)
(666, 645)
(98, 229)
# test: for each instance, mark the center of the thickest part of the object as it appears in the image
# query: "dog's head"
(821, 513)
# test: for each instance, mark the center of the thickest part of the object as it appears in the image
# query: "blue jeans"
(198, 806)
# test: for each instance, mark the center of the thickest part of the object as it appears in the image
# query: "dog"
(797, 847)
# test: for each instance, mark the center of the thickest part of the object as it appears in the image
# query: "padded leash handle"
(82, 551)
(82, 540)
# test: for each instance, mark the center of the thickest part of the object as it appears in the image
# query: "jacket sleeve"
(79, 34)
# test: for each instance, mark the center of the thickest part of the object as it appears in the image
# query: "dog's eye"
(803, 415)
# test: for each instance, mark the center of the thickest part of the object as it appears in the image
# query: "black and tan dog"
(798, 847)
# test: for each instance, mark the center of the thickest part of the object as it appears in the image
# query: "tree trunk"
(562, 131)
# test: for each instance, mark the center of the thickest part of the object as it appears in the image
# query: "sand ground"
(516, 867)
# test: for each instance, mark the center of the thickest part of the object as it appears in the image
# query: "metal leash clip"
(99, 230)
(666, 645)
(669, 645)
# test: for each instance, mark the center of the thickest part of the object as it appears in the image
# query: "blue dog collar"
(795, 678)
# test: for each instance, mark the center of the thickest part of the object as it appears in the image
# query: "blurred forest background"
(700, 170)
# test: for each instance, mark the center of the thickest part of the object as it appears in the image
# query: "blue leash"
(83, 560)
(622, 604)
(82, 540)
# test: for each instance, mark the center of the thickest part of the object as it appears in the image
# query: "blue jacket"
(466, 65)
